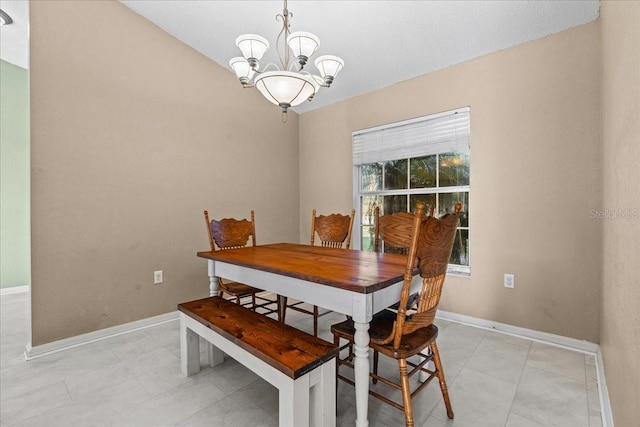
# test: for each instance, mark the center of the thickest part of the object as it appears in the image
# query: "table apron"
(359, 305)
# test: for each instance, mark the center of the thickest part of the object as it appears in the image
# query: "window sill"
(459, 272)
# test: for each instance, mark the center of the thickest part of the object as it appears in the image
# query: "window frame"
(455, 269)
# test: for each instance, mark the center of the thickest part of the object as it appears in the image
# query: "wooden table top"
(352, 270)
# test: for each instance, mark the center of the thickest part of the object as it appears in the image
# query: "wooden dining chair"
(401, 336)
(334, 231)
(393, 231)
(393, 235)
(230, 233)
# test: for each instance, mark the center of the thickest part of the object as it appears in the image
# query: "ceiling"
(381, 42)
(14, 38)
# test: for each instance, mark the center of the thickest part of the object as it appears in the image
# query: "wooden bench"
(301, 366)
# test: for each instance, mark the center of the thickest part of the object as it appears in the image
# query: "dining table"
(353, 282)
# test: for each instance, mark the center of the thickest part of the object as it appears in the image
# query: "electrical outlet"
(157, 277)
(509, 280)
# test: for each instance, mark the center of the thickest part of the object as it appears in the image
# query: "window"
(424, 159)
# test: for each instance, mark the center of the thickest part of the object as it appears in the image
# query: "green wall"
(15, 249)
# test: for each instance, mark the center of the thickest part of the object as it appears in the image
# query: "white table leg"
(214, 355)
(361, 372)
(213, 280)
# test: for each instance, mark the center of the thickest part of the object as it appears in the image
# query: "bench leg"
(215, 356)
(329, 392)
(189, 349)
(310, 401)
(293, 403)
(323, 396)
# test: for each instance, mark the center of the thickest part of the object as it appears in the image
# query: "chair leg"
(443, 383)
(315, 320)
(279, 308)
(350, 344)
(253, 302)
(336, 342)
(283, 302)
(406, 393)
(238, 299)
(375, 367)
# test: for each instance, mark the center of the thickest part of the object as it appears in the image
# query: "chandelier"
(5, 19)
(291, 84)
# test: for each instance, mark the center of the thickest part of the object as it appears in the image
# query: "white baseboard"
(605, 403)
(558, 340)
(102, 334)
(546, 338)
(31, 353)
(14, 290)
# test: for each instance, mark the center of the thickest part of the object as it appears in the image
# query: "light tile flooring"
(135, 380)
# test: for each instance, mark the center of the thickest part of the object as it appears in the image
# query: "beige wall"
(535, 175)
(620, 308)
(134, 134)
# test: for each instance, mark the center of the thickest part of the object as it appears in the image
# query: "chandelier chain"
(286, 30)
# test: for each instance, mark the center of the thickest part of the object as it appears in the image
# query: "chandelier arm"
(266, 68)
(319, 80)
(294, 66)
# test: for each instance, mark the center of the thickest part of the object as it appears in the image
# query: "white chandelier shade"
(252, 46)
(329, 66)
(242, 68)
(286, 88)
(303, 44)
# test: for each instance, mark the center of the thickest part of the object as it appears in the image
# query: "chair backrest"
(395, 230)
(431, 244)
(230, 233)
(334, 230)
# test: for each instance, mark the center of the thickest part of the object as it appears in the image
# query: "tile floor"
(135, 380)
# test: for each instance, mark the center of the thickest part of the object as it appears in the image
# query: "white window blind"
(439, 133)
